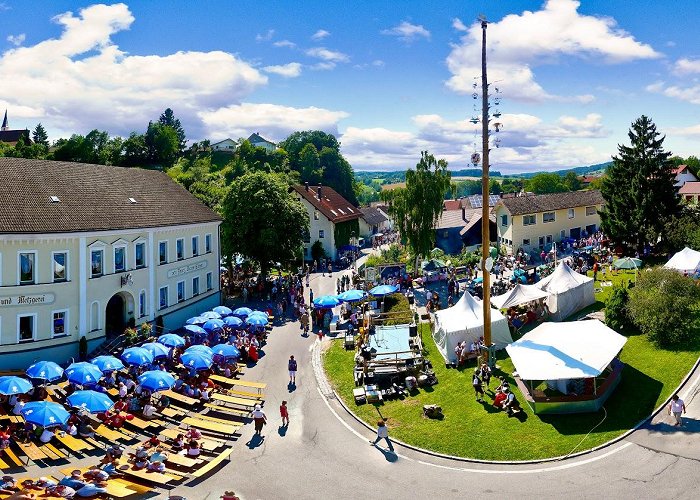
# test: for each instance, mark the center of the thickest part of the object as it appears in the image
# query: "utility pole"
(485, 237)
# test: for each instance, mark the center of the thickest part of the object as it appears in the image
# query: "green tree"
(310, 164)
(39, 136)
(168, 119)
(337, 173)
(544, 183)
(417, 207)
(297, 140)
(317, 251)
(638, 188)
(512, 185)
(134, 151)
(663, 304)
(162, 145)
(683, 230)
(616, 308)
(571, 181)
(263, 221)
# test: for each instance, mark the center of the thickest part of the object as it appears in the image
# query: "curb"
(514, 462)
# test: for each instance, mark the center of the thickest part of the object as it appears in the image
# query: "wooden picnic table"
(248, 403)
(180, 397)
(31, 450)
(72, 443)
(253, 385)
(183, 460)
(115, 487)
(155, 477)
(110, 434)
(207, 444)
(219, 420)
(208, 425)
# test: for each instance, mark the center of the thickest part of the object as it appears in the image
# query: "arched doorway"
(119, 312)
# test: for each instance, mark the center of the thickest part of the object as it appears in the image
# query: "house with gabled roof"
(333, 220)
(682, 175)
(228, 145)
(260, 142)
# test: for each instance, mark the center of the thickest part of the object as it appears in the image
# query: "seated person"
(511, 404)
(153, 442)
(178, 443)
(75, 480)
(96, 474)
(156, 466)
(86, 430)
(92, 490)
(71, 429)
(149, 411)
(46, 435)
(7, 485)
(60, 491)
(140, 454)
(114, 452)
(499, 399)
(530, 316)
(112, 468)
(193, 434)
(193, 449)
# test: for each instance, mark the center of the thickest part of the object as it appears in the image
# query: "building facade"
(89, 250)
(534, 222)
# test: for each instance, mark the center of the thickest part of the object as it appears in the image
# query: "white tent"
(559, 351)
(687, 260)
(465, 321)
(520, 294)
(569, 291)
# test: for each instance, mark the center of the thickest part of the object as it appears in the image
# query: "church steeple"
(4, 123)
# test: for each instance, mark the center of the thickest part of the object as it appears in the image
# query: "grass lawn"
(473, 430)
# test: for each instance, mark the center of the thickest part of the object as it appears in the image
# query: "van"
(361, 242)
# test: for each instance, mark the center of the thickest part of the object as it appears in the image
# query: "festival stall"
(567, 367)
(465, 322)
(685, 261)
(568, 290)
(519, 294)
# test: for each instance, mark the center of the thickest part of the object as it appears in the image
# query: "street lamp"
(354, 244)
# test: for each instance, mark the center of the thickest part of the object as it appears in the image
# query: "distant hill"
(600, 167)
(400, 176)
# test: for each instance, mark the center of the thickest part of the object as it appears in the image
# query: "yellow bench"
(228, 410)
(11, 455)
(208, 425)
(234, 400)
(246, 394)
(218, 420)
(224, 455)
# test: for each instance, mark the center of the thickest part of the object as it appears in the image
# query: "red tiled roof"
(332, 205)
(690, 187)
(679, 169)
(452, 204)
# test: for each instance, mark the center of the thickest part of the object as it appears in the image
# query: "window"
(321, 233)
(195, 285)
(526, 242)
(119, 259)
(163, 252)
(562, 234)
(140, 251)
(59, 261)
(591, 210)
(142, 303)
(549, 239)
(541, 241)
(180, 291)
(572, 213)
(163, 297)
(529, 220)
(207, 243)
(180, 249)
(316, 215)
(94, 316)
(548, 217)
(504, 220)
(210, 281)
(27, 271)
(306, 236)
(25, 327)
(195, 246)
(59, 326)
(97, 263)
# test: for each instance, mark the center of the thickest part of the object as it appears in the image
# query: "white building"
(373, 221)
(683, 175)
(260, 142)
(227, 145)
(328, 211)
(87, 249)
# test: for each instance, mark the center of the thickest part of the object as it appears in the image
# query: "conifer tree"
(638, 188)
(39, 136)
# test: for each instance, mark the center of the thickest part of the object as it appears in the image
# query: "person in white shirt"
(149, 410)
(382, 433)
(677, 407)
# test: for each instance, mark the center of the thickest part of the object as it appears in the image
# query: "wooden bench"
(183, 461)
(11, 455)
(208, 425)
(251, 385)
(73, 444)
(180, 398)
(173, 412)
(111, 434)
(246, 394)
(52, 452)
(200, 416)
(3, 465)
(32, 452)
(208, 443)
(228, 410)
(224, 455)
(248, 403)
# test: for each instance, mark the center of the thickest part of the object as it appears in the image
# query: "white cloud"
(458, 25)
(285, 43)
(378, 63)
(687, 66)
(407, 32)
(689, 94)
(328, 55)
(16, 40)
(273, 121)
(692, 131)
(557, 30)
(320, 35)
(265, 37)
(290, 70)
(82, 80)
(323, 66)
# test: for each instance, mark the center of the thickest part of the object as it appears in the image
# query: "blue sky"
(388, 78)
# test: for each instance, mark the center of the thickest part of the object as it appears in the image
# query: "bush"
(317, 251)
(662, 305)
(616, 308)
(400, 311)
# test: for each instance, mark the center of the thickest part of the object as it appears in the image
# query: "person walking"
(677, 407)
(292, 367)
(330, 268)
(382, 433)
(485, 374)
(478, 389)
(259, 418)
(284, 413)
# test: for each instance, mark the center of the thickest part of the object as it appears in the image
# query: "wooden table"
(183, 460)
(72, 443)
(248, 403)
(155, 477)
(208, 425)
(204, 443)
(181, 398)
(253, 385)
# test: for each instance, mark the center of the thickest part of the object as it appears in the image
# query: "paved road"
(325, 453)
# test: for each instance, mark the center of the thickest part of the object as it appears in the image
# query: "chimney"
(320, 197)
(306, 186)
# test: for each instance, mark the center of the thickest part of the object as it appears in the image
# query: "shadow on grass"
(632, 401)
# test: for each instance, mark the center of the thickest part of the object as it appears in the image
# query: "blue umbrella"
(201, 348)
(197, 320)
(213, 324)
(197, 360)
(108, 363)
(45, 370)
(156, 380)
(210, 315)
(352, 295)
(196, 330)
(326, 302)
(14, 385)
(45, 413)
(83, 373)
(171, 340)
(223, 311)
(226, 351)
(259, 313)
(233, 321)
(242, 312)
(256, 321)
(157, 349)
(137, 356)
(382, 290)
(91, 401)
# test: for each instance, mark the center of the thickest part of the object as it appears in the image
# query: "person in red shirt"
(284, 413)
